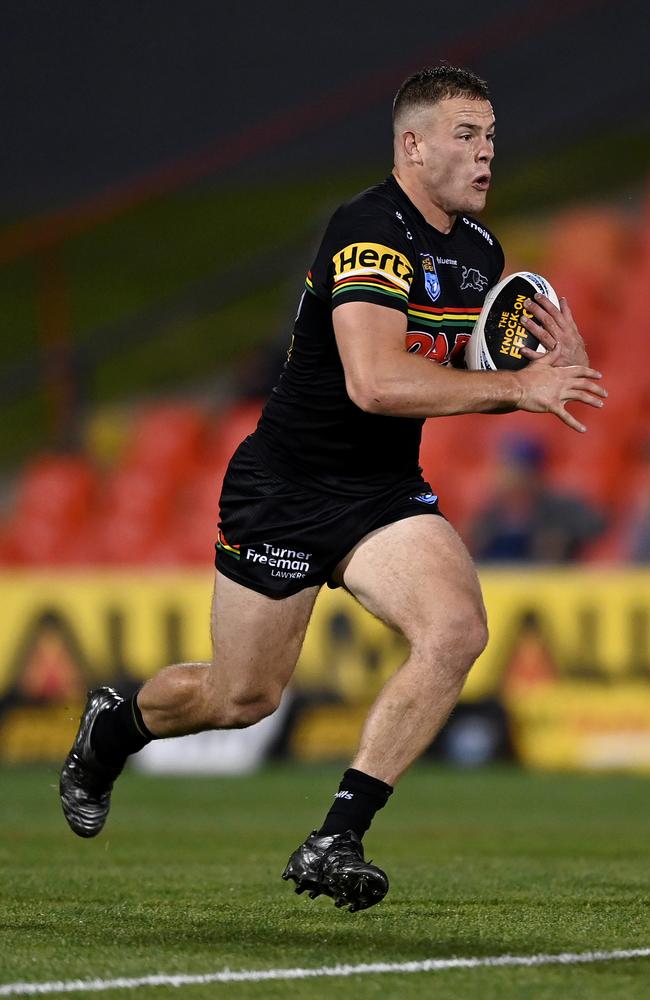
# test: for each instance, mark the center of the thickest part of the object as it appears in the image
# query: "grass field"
(185, 879)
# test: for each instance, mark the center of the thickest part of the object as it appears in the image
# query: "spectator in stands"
(637, 536)
(526, 520)
(640, 548)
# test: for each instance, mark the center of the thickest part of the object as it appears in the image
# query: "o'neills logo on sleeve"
(358, 259)
(478, 229)
(287, 564)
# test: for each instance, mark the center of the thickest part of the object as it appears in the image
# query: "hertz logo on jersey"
(373, 258)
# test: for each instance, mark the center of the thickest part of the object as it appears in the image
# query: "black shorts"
(277, 537)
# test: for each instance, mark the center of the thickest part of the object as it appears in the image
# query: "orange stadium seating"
(167, 438)
(55, 496)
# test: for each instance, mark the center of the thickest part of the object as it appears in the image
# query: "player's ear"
(410, 144)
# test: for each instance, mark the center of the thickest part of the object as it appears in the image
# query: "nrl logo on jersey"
(431, 280)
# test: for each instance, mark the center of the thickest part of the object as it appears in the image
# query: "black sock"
(118, 732)
(358, 799)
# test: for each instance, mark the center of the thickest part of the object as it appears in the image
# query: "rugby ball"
(498, 336)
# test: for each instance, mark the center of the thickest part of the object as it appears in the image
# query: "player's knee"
(476, 636)
(470, 636)
(245, 708)
(458, 641)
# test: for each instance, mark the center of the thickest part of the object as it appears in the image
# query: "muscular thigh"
(256, 638)
(416, 575)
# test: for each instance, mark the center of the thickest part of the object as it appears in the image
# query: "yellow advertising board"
(568, 658)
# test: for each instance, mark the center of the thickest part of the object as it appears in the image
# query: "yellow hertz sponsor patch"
(373, 258)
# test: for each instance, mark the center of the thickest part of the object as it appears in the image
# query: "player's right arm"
(382, 377)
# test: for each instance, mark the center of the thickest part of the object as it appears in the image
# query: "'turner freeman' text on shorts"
(277, 537)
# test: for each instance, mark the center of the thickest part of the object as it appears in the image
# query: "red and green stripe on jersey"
(439, 334)
(367, 282)
(457, 317)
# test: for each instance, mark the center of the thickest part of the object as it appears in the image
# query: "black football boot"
(85, 785)
(334, 866)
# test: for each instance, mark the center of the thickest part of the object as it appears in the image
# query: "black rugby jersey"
(377, 248)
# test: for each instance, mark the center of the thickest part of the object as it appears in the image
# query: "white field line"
(325, 971)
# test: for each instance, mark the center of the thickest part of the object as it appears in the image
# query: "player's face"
(456, 145)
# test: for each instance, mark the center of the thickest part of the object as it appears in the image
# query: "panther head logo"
(473, 279)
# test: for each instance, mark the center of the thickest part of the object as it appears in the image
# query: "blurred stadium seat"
(192, 531)
(588, 258)
(136, 510)
(55, 498)
(588, 475)
(166, 438)
(234, 423)
(63, 486)
(596, 245)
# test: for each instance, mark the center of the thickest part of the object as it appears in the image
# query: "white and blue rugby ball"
(498, 335)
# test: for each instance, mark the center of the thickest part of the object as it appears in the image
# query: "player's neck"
(433, 213)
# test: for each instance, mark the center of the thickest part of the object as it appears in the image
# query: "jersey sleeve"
(366, 257)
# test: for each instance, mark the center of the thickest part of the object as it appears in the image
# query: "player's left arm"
(556, 330)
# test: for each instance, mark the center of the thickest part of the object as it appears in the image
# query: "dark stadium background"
(94, 93)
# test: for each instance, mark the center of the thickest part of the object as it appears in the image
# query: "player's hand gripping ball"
(498, 335)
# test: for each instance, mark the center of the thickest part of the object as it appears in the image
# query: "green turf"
(185, 880)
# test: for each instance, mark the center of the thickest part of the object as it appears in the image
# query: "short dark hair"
(437, 83)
